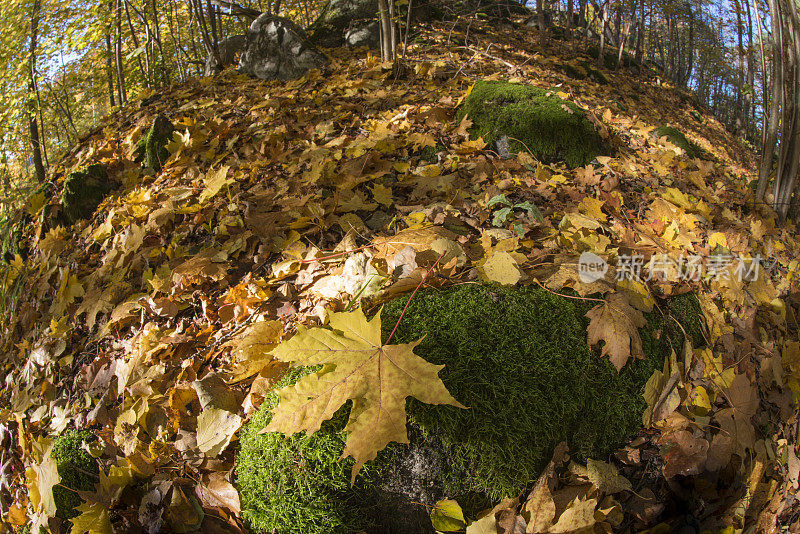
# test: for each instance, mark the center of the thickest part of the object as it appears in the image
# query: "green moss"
(551, 128)
(299, 484)
(677, 138)
(79, 471)
(519, 359)
(685, 315)
(83, 192)
(152, 147)
(11, 234)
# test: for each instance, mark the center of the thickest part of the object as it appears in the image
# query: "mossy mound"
(151, 150)
(79, 471)
(517, 357)
(533, 119)
(83, 192)
(677, 138)
(583, 70)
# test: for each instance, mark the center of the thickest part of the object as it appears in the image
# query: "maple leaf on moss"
(616, 323)
(355, 367)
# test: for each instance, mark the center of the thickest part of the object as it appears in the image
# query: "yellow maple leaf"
(214, 182)
(94, 519)
(616, 323)
(592, 207)
(356, 367)
(68, 291)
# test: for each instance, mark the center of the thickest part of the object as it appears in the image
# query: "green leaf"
(501, 216)
(498, 199)
(447, 516)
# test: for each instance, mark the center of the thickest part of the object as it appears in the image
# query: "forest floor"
(271, 187)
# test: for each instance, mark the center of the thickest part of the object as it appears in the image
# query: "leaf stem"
(412, 296)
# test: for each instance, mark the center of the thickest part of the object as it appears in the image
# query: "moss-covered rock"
(517, 357)
(151, 150)
(534, 119)
(677, 138)
(83, 192)
(79, 471)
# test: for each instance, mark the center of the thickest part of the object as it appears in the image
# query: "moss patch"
(685, 316)
(11, 233)
(677, 138)
(551, 128)
(519, 359)
(79, 471)
(151, 150)
(83, 192)
(298, 484)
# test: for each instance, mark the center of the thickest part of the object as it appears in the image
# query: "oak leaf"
(616, 323)
(355, 367)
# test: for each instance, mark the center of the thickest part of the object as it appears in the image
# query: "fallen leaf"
(376, 378)
(606, 478)
(578, 516)
(447, 516)
(94, 519)
(616, 323)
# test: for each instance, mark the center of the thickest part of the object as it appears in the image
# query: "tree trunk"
(122, 94)
(36, 145)
(110, 68)
(640, 36)
(387, 52)
(601, 48)
(542, 25)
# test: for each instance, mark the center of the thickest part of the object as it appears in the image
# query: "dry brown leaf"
(617, 324)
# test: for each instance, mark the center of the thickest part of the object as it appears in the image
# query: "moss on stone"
(151, 150)
(79, 471)
(83, 192)
(519, 359)
(537, 119)
(298, 484)
(677, 138)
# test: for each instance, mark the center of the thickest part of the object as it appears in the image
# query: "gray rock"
(329, 29)
(228, 50)
(364, 34)
(278, 49)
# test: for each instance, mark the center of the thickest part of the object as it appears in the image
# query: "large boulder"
(83, 192)
(229, 49)
(278, 49)
(515, 117)
(363, 34)
(518, 358)
(337, 17)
